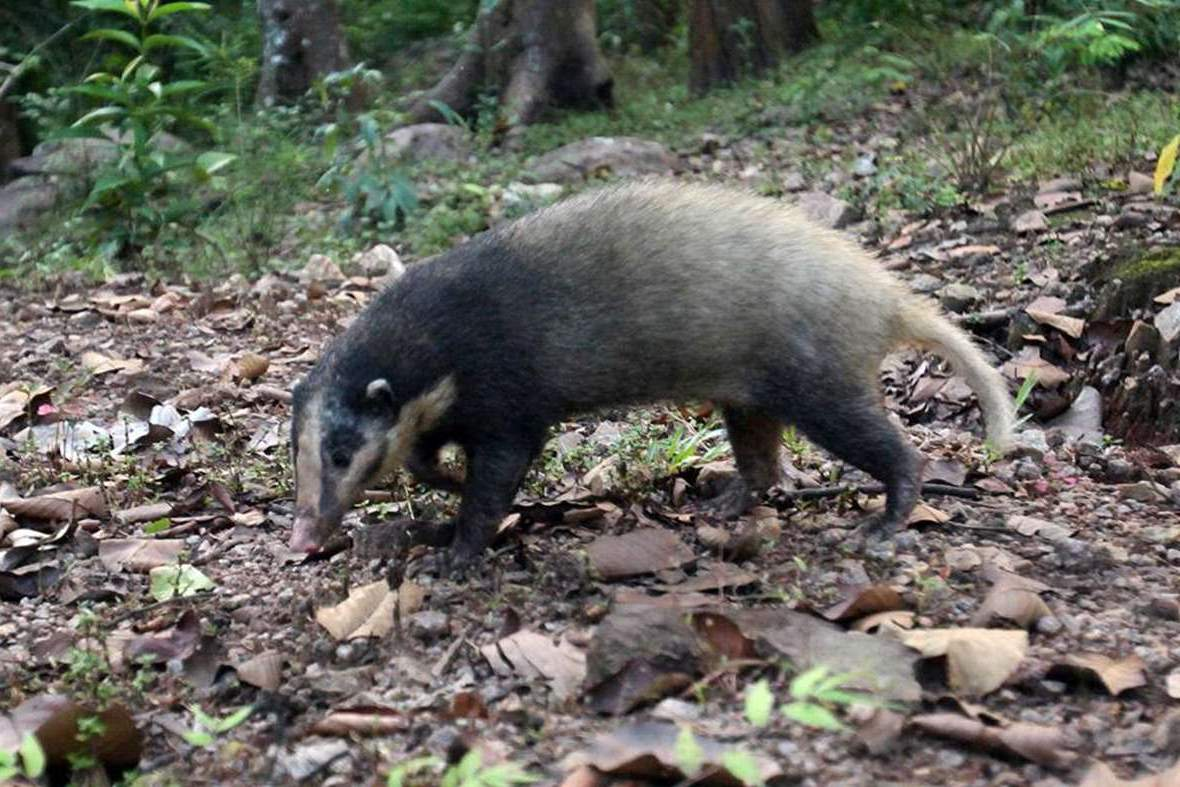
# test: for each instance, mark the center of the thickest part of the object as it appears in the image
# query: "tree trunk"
(301, 42)
(10, 146)
(732, 39)
(536, 54)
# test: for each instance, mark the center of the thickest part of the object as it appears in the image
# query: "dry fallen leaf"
(648, 750)
(97, 364)
(1029, 362)
(535, 656)
(1032, 526)
(60, 506)
(251, 366)
(18, 399)
(1043, 745)
(361, 720)
(1116, 675)
(978, 660)
(964, 558)
(1017, 604)
(1072, 327)
(368, 610)
(862, 600)
(264, 670)
(138, 554)
(643, 551)
(901, 618)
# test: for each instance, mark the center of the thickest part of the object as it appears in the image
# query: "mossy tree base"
(1139, 382)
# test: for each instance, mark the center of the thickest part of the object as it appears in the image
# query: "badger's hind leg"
(754, 437)
(853, 426)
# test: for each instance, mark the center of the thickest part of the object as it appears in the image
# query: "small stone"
(1167, 322)
(672, 709)
(1143, 492)
(826, 210)
(864, 167)
(428, 625)
(925, 284)
(1140, 183)
(1048, 625)
(1030, 221)
(320, 268)
(794, 181)
(1030, 443)
(381, 260)
(1165, 607)
(1120, 471)
(86, 319)
(958, 297)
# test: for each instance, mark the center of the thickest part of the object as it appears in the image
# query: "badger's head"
(344, 437)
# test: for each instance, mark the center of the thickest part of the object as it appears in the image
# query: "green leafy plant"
(28, 761)
(373, 186)
(208, 728)
(136, 104)
(686, 447)
(815, 692)
(690, 758)
(468, 772)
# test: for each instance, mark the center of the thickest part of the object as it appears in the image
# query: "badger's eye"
(339, 457)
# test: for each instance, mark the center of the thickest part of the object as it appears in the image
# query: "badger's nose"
(305, 536)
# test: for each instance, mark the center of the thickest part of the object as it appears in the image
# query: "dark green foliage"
(377, 29)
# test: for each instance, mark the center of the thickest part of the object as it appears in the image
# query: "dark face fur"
(342, 440)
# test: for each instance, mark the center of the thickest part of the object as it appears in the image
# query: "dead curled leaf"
(368, 610)
(978, 660)
(862, 600)
(251, 366)
(1115, 675)
(535, 656)
(263, 670)
(138, 554)
(97, 364)
(1043, 745)
(60, 506)
(361, 720)
(648, 750)
(54, 719)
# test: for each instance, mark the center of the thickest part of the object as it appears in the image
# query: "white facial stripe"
(366, 457)
(416, 417)
(307, 458)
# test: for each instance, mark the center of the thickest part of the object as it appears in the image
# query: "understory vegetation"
(1004, 97)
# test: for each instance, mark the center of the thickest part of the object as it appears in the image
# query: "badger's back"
(680, 285)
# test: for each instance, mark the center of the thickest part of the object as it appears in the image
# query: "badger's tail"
(920, 324)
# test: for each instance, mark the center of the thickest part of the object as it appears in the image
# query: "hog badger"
(632, 294)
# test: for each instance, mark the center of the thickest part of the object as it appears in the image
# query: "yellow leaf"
(1166, 163)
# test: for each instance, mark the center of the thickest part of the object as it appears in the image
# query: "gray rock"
(320, 268)
(864, 167)
(958, 297)
(1143, 492)
(794, 181)
(825, 209)
(381, 260)
(309, 759)
(1140, 183)
(428, 625)
(430, 141)
(925, 284)
(1084, 417)
(1167, 322)
(1030, 443)
(623, 156)
(22, 201)
(1030, 221)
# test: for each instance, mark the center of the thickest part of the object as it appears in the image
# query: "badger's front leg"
(495, 468)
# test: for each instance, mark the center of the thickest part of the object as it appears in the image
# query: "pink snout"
(307, 535)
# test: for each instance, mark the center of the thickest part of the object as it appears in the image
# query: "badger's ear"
(379, 390)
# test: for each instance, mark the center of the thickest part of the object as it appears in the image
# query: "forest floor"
(1025, 629)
